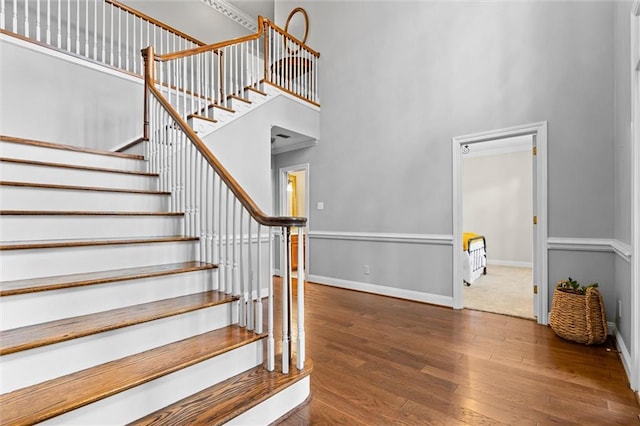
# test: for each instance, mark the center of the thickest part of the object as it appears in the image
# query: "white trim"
(514, 263)
(237, 15)
(539, 131)
(385, 237)
(69, 57)
(624, 250)
(418, 296)
(625, 357)
(635, 194)
(282, 204)
(295, 146)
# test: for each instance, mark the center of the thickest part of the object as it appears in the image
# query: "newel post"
(148, 56)
(265, 33)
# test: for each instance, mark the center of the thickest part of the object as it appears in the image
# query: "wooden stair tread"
(44, 144)
(239, 98)
(82, 188)
(75, 167)
(32, 285)
(222, 107)
(83, 213)
(253, 89)
(53, 397)
(37, 335)
(202, 117)
(222, 402)
(25, 245)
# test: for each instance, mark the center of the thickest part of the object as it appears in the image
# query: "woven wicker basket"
(577, 317)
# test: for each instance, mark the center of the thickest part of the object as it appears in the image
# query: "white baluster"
(270, 340)
(286, 285)
(78, 28)
(259, 273)
(111, 25)
(2, 7)
(235, 282)
(14, 20)
(86, 29)
(126, 37)
(104, 32)
(250, 305)
(301, 334)
(220, 260)
(119, 38)
(26, 18)
(202, 209)
(38, 20)
(229, 271)
(95, 31)
(243, 289)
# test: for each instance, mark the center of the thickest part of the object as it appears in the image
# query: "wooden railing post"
(266, 33)
(148, 56)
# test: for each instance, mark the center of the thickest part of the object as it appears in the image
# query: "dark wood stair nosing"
(239, 98)
(34, 404)
(201, 117)
(258, 91)
(58, 331)
(53, 145)
(26, 245)
(82, 188)
(222, 402)
(76, 167)
(33, 285)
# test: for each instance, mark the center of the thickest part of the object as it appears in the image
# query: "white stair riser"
(25, 198)
(33, 263)
(137, 149)
(238, 105)
(38, 153)
(130, 405)
(33, 308)
(255, 98)
(36, 365)
(275, 407)
(222, 115)
(21, 228)
(63, 176)
(202, 127)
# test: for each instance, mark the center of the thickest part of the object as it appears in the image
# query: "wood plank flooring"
(384, 361)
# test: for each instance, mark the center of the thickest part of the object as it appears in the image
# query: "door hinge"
(535, 220)
(535, 289)
(535, 150)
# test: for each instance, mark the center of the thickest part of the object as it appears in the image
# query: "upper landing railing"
(105, 31)
(113, 34)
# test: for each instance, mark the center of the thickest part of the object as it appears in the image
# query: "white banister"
(286, 287)
(270, 339)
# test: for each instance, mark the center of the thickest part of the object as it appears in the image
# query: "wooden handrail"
(244, 198)
(292, 38)
(222, 44)
(154, 21)
(209, 47)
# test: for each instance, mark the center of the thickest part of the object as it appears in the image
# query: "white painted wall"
(497, 203)
(244, 145)
(56, 98)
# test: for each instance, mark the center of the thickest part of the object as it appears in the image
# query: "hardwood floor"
(383, 361)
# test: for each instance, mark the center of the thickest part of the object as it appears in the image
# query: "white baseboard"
(418, 296)
(509, 263)
(624, 354)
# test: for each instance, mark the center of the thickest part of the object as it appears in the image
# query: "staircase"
(109, 314)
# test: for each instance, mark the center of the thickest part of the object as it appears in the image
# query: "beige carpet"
(504, 290)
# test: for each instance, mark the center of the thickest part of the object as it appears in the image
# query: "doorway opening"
(535, 135)
(294, 201)
(497, 207)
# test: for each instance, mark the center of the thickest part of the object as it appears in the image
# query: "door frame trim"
(539, 132)
(282, 203)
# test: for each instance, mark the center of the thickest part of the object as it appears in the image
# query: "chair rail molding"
(237, 15)
(622, 249)
(386, 237)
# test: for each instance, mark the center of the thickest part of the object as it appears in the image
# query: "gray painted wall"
(400, 79)
(623, 162)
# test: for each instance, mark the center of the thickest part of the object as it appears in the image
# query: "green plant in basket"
(572, 286)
